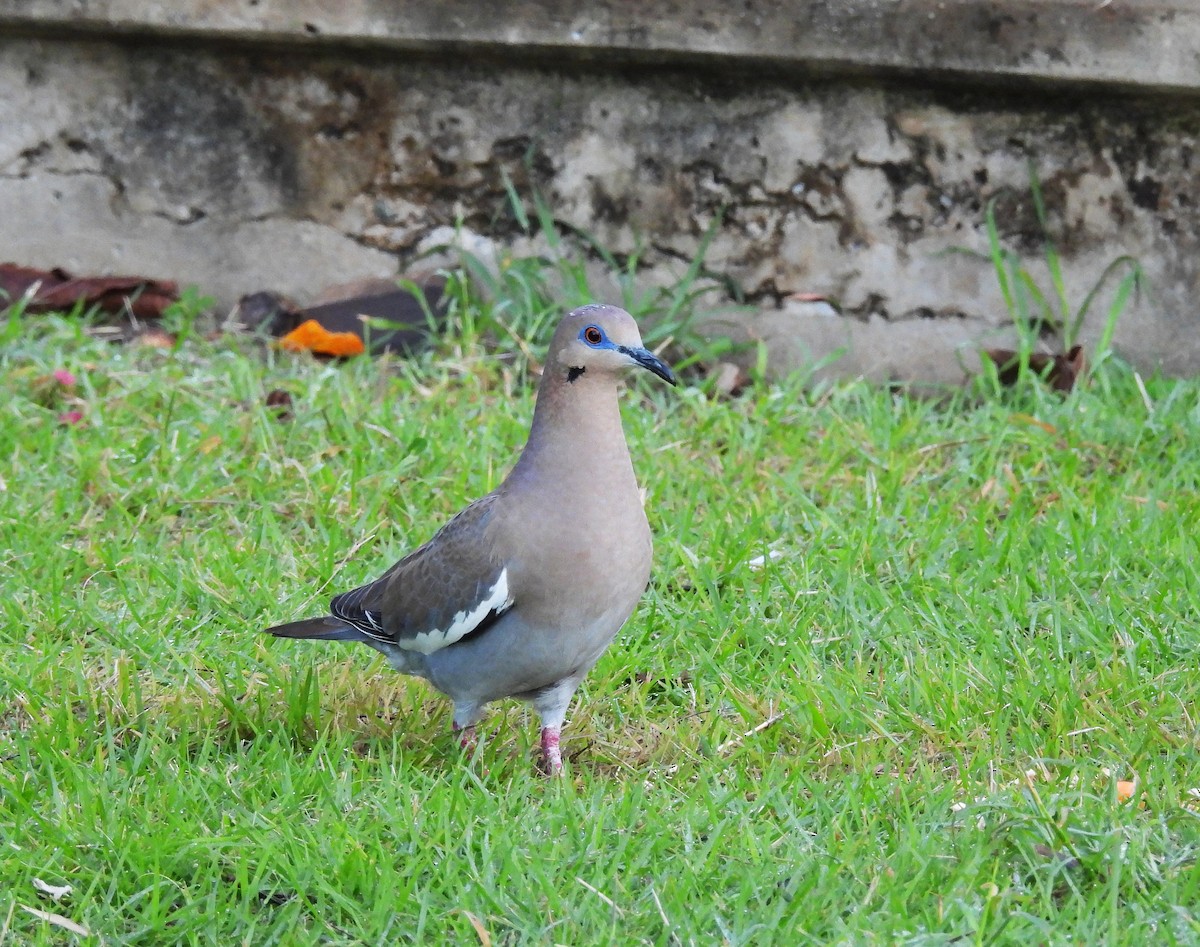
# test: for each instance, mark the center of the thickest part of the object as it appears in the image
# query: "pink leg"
(466, 738)
(551, 756)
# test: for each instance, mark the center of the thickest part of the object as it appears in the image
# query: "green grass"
(1045, 316)
(979, 616)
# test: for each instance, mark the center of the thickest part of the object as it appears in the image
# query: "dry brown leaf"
(1060, 371)
(485, 939)
(1030, 419)
(51, 290)
(156, 339)
(1142, 501)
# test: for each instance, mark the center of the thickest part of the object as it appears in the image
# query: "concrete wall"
(261, 144)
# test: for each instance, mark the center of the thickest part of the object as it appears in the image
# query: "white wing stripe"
(464, 622)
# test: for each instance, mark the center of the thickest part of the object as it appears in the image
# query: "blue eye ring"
(592, 335)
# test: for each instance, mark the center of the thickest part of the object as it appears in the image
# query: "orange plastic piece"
(311, 336)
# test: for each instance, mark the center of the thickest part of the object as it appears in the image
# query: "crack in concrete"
(57, 173)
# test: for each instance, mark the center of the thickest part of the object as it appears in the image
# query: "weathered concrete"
(1149, 43)
(243, 167)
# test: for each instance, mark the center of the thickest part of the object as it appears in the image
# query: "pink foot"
(551, 755)
(466, 736)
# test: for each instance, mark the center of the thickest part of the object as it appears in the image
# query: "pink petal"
(64, 377)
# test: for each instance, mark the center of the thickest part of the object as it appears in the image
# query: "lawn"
(899, 664)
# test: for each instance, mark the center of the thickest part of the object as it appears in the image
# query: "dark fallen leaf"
(267, 312)
(1060, 371)
(56, 289)
(387, 317)
(275, 898)
(281, 402)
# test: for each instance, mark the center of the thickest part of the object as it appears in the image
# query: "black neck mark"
(574, 372)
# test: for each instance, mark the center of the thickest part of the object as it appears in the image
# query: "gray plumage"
(521, 592)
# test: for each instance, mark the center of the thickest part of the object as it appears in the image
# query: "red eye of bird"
(592, 335)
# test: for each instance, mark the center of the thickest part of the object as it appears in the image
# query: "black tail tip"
(325, 628)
